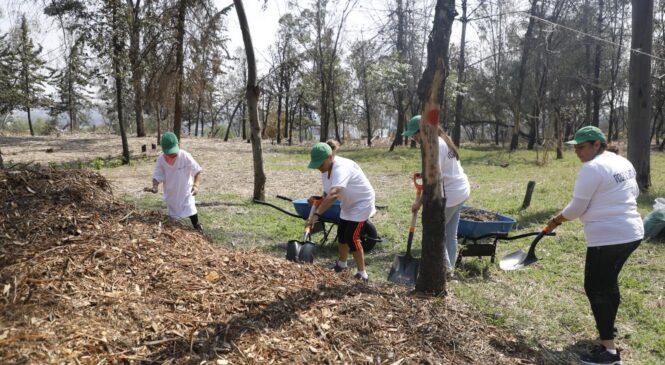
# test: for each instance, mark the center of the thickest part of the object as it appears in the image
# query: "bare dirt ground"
(228, 166)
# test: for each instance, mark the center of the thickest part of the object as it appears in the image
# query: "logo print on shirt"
(623, 176)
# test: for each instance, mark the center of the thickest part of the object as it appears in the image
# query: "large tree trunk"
(253, 92)
(639, 97)
(431, 276)
(180, 40)
(117, 50)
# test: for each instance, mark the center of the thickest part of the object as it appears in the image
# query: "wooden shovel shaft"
(414, 215)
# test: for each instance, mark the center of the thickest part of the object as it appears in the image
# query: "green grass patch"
(544, 303)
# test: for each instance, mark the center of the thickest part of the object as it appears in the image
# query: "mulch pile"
(87, 279)
(477, 215)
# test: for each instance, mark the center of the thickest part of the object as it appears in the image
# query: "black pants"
(195, 219)
(601, 283)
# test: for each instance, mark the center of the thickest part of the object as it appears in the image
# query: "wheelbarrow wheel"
(369, 237)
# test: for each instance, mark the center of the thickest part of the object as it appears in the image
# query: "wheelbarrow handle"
(284, 198)
(276, 207)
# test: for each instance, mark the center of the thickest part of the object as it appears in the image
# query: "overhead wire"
(578, 32)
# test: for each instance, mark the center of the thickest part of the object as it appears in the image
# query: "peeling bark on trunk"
(431, 276)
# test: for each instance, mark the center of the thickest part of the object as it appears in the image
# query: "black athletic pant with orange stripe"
(348, 232)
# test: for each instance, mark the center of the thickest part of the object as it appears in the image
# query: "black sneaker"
(338, 268)
(358, 276)
(600, 356)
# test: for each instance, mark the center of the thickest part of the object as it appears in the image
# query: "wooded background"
(539, 70)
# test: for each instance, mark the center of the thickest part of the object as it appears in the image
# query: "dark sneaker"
(359, 276)
(338, 268)
(199, 227)
(600, 356)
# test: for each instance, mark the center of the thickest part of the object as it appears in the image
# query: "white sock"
(363, 274)
(611, 351)
(341, 264)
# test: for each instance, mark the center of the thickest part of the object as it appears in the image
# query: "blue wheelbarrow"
(480, 238)
(303, 250)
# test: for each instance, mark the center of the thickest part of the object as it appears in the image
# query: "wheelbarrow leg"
(326, 232)
(496, 240)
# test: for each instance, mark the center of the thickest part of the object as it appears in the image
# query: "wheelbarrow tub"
(332, 214)
(474, 229)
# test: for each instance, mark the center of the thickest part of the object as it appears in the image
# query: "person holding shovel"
(343, 179)
(605, 200)
(456, 186)
(181, 176)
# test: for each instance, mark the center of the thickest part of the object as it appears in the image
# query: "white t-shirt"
(455, 182)
(356, 195)
(178, 180)
(608, 182)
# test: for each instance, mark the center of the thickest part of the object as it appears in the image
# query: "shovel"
(519, 259)
(302, 251)
(405, 268)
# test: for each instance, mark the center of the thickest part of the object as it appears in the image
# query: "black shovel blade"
(307, 252)
(404, 270)
(517, 260)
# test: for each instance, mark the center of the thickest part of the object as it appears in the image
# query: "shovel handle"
(414, 215)
(419, 187)
(307, 226)
(540, 235)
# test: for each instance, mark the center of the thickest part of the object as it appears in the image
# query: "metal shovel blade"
(516, 260)
(404, 270)
(519, 259)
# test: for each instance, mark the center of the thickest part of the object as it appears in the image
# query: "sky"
(263, 24)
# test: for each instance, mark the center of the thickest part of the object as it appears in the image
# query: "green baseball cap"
(169, 143)
(319, 153)
(413, 127)
(588, 134)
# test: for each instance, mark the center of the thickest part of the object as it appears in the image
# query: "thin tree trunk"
(226, 136)
(135, 61)
(399, 94)
(597, 90)
(180, 41)
(521, 76)
(253, 92)
(117, 49)
(459, 99)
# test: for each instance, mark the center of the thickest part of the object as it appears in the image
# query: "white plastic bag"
(654, 222)
(659, 204)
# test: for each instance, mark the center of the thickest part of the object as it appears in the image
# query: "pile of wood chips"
(477, 215)
(87, 279)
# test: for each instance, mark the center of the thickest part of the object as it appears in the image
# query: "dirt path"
(227, 165)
